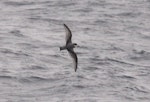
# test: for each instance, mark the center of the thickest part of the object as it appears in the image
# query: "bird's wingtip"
(75, 69)
(64, 24)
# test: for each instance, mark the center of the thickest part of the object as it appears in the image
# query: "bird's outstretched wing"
(68, 34)
(75, 58)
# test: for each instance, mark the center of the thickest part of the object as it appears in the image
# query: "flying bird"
(70, 46)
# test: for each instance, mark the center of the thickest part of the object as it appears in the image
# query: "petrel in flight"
(70, 46)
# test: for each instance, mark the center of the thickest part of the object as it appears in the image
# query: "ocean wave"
(7, 77)
(11, 52)
(17, 33)
(125, 63)
(128, 77)
(36, 67)
(140, 89)
(21, 3)
(32, 79)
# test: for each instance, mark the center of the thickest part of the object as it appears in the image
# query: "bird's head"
(75, 44)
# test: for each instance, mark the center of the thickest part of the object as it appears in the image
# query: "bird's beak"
(77, 46)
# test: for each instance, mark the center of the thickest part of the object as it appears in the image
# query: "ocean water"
(113, 52)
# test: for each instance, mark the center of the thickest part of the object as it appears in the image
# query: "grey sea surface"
(113, 53)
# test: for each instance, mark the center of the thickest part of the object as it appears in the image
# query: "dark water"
(114, 51)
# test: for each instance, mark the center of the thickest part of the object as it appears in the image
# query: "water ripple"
(13, 3)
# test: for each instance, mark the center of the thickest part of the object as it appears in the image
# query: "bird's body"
(69, 46)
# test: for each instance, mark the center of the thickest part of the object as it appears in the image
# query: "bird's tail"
(62, 48)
